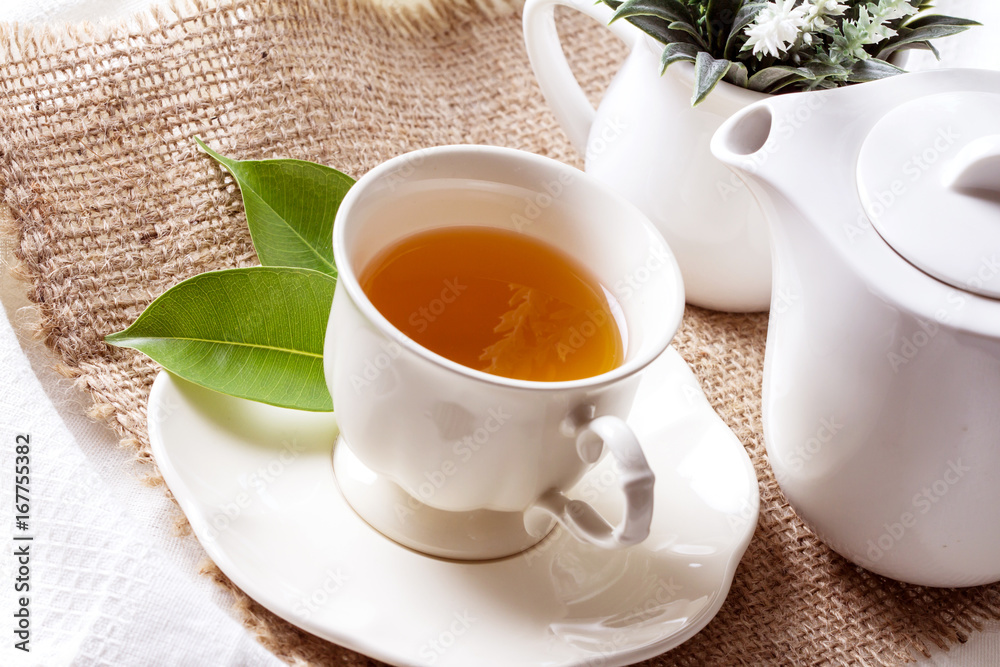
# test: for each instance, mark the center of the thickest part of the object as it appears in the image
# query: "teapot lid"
(929, 179)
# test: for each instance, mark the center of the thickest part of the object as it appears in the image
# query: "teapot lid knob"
(929, 179)
(976, 167)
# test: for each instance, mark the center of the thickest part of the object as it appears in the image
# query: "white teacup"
(456, 462)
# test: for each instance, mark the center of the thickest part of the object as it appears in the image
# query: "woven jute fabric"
(112, 204)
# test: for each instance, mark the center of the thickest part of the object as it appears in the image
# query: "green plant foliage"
(254, 333)
(290, 207)
(782, 46)
(257, 333)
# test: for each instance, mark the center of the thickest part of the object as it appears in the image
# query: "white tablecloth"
(110, 582)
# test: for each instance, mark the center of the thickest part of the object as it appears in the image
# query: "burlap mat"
(112, 205)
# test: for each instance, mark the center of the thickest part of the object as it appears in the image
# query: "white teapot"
(881, 401)
(651, 146)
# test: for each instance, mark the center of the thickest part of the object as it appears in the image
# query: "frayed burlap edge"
(22, 41)
(33, 325)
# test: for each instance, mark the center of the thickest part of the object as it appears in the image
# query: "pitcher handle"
(561, 90)
(635, 479)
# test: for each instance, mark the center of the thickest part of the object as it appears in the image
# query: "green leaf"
(708, 71)
(778, 76)
(668, 10)
(872, 70)
(737, 75)
(935, 19)
(658, 29)
(652, 26)
(695, 37)
(676, 52)
(920, 46)
(719, 16)
(824, 75)
(908, 36)
(255, 333)
(290, 207)
(748, 12)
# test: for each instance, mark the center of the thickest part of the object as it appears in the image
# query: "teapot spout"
(745, 141)
(764, 143)
(748, 142)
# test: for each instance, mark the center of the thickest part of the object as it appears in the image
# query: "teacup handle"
(636, 481)
(561, 90)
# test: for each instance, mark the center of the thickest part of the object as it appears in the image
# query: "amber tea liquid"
(497, 301)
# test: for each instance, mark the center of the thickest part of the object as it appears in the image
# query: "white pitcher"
(649, 144)
(882, 372)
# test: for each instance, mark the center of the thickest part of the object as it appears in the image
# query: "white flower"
(818, 13)
(776, 27)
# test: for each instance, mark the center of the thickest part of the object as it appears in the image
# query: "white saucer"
(257, 485)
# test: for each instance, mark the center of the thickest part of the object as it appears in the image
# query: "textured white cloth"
(41, 11)
(106, 586)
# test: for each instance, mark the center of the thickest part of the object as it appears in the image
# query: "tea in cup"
(498, 301)
(493, 312)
